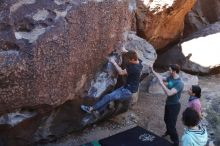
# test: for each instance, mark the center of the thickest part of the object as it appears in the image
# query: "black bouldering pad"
(136, 136)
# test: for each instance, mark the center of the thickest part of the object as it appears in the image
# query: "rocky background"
(54, 57)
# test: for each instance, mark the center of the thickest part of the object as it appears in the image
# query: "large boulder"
(46, 125)
(51, 49)
(49, 53)
(53, 54)
(106, 78)
(144, 49)
(203, 13)
(60, 122)
(195, 54)
(162, 22)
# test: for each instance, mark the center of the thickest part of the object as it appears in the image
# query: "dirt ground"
(148, 113)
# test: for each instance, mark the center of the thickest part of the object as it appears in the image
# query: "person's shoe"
(165, 134)
(86, 108)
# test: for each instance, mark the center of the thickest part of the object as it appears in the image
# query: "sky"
(205, 50)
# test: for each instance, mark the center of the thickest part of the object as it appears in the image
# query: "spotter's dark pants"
(170, 118)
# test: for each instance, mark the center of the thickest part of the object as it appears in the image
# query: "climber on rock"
(132, 71)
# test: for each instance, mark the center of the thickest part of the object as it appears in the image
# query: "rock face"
(49, 50)
(162, 22)
(59, 123)
(63, 60)
(145, 50)
(106, 78)
(208, 38)
(49, 53)
(203, 13)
